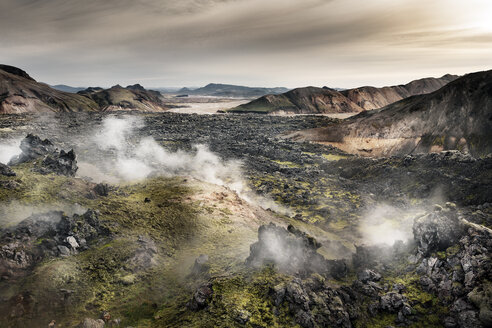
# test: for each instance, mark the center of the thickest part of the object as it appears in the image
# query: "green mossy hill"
(157, 228)
(121, 272)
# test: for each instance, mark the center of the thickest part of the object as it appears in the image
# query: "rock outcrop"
(61, 163)
(45, 235)
(6, 171)
(32, 147)
(290, 250)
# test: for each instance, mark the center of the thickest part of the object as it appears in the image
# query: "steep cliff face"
(457, 116)
(19, 93)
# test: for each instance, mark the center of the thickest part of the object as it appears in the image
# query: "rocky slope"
(19, 93)
(457, 116)
(229, 90)
(312, 100)
(133, 97)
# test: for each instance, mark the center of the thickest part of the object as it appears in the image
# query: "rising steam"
(130, 157)
(385, 224)
(9, 149)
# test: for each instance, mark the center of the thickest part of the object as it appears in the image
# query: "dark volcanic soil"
(320, 184)
(131, 253)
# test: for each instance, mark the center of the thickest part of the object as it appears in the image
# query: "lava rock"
(290, 250)
(63, 163)
(368, 275)
(32, 147)
(437, 231)
(6, 171)
(101, 189)
(20, 248)
(64, 251)
(392, 302)
(201, 297)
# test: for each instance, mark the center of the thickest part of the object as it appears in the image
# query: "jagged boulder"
(201, 297)
(144, 256)
(313, 304)
(92, 323)
(101, 189)
(290, 250)
(460, 276)
(367, 275)
(44, 235)
(437, 230)
(63, 163)
(6, 171)
(32, 147)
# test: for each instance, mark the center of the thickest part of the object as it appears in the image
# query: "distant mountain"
(457, 116)
(372, 98)
(133, 97)
(312, 100)
(171, 90)
(67, 88)
(20, 93)
(229, 90)
(309, 100)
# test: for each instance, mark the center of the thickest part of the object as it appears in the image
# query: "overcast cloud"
(339, 43)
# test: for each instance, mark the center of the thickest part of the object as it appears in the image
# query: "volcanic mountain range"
(313, 100)
(457, 116)
(20, 93)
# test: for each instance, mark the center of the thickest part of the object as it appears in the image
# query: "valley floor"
(177, 186)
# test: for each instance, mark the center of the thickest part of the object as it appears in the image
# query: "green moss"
(286, 164)
(242, 293)
(453, 250)
(333, 157)
(379, 321)
(427, 306)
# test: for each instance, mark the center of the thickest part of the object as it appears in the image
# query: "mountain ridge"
(231, 90)
(20, 93)
(457, 116)
(313, 100)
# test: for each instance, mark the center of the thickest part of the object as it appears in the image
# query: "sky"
(291, 43)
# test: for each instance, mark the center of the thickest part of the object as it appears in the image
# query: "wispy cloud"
(275, 42)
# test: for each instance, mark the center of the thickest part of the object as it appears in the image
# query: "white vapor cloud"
(9, 149)
(127, 157)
